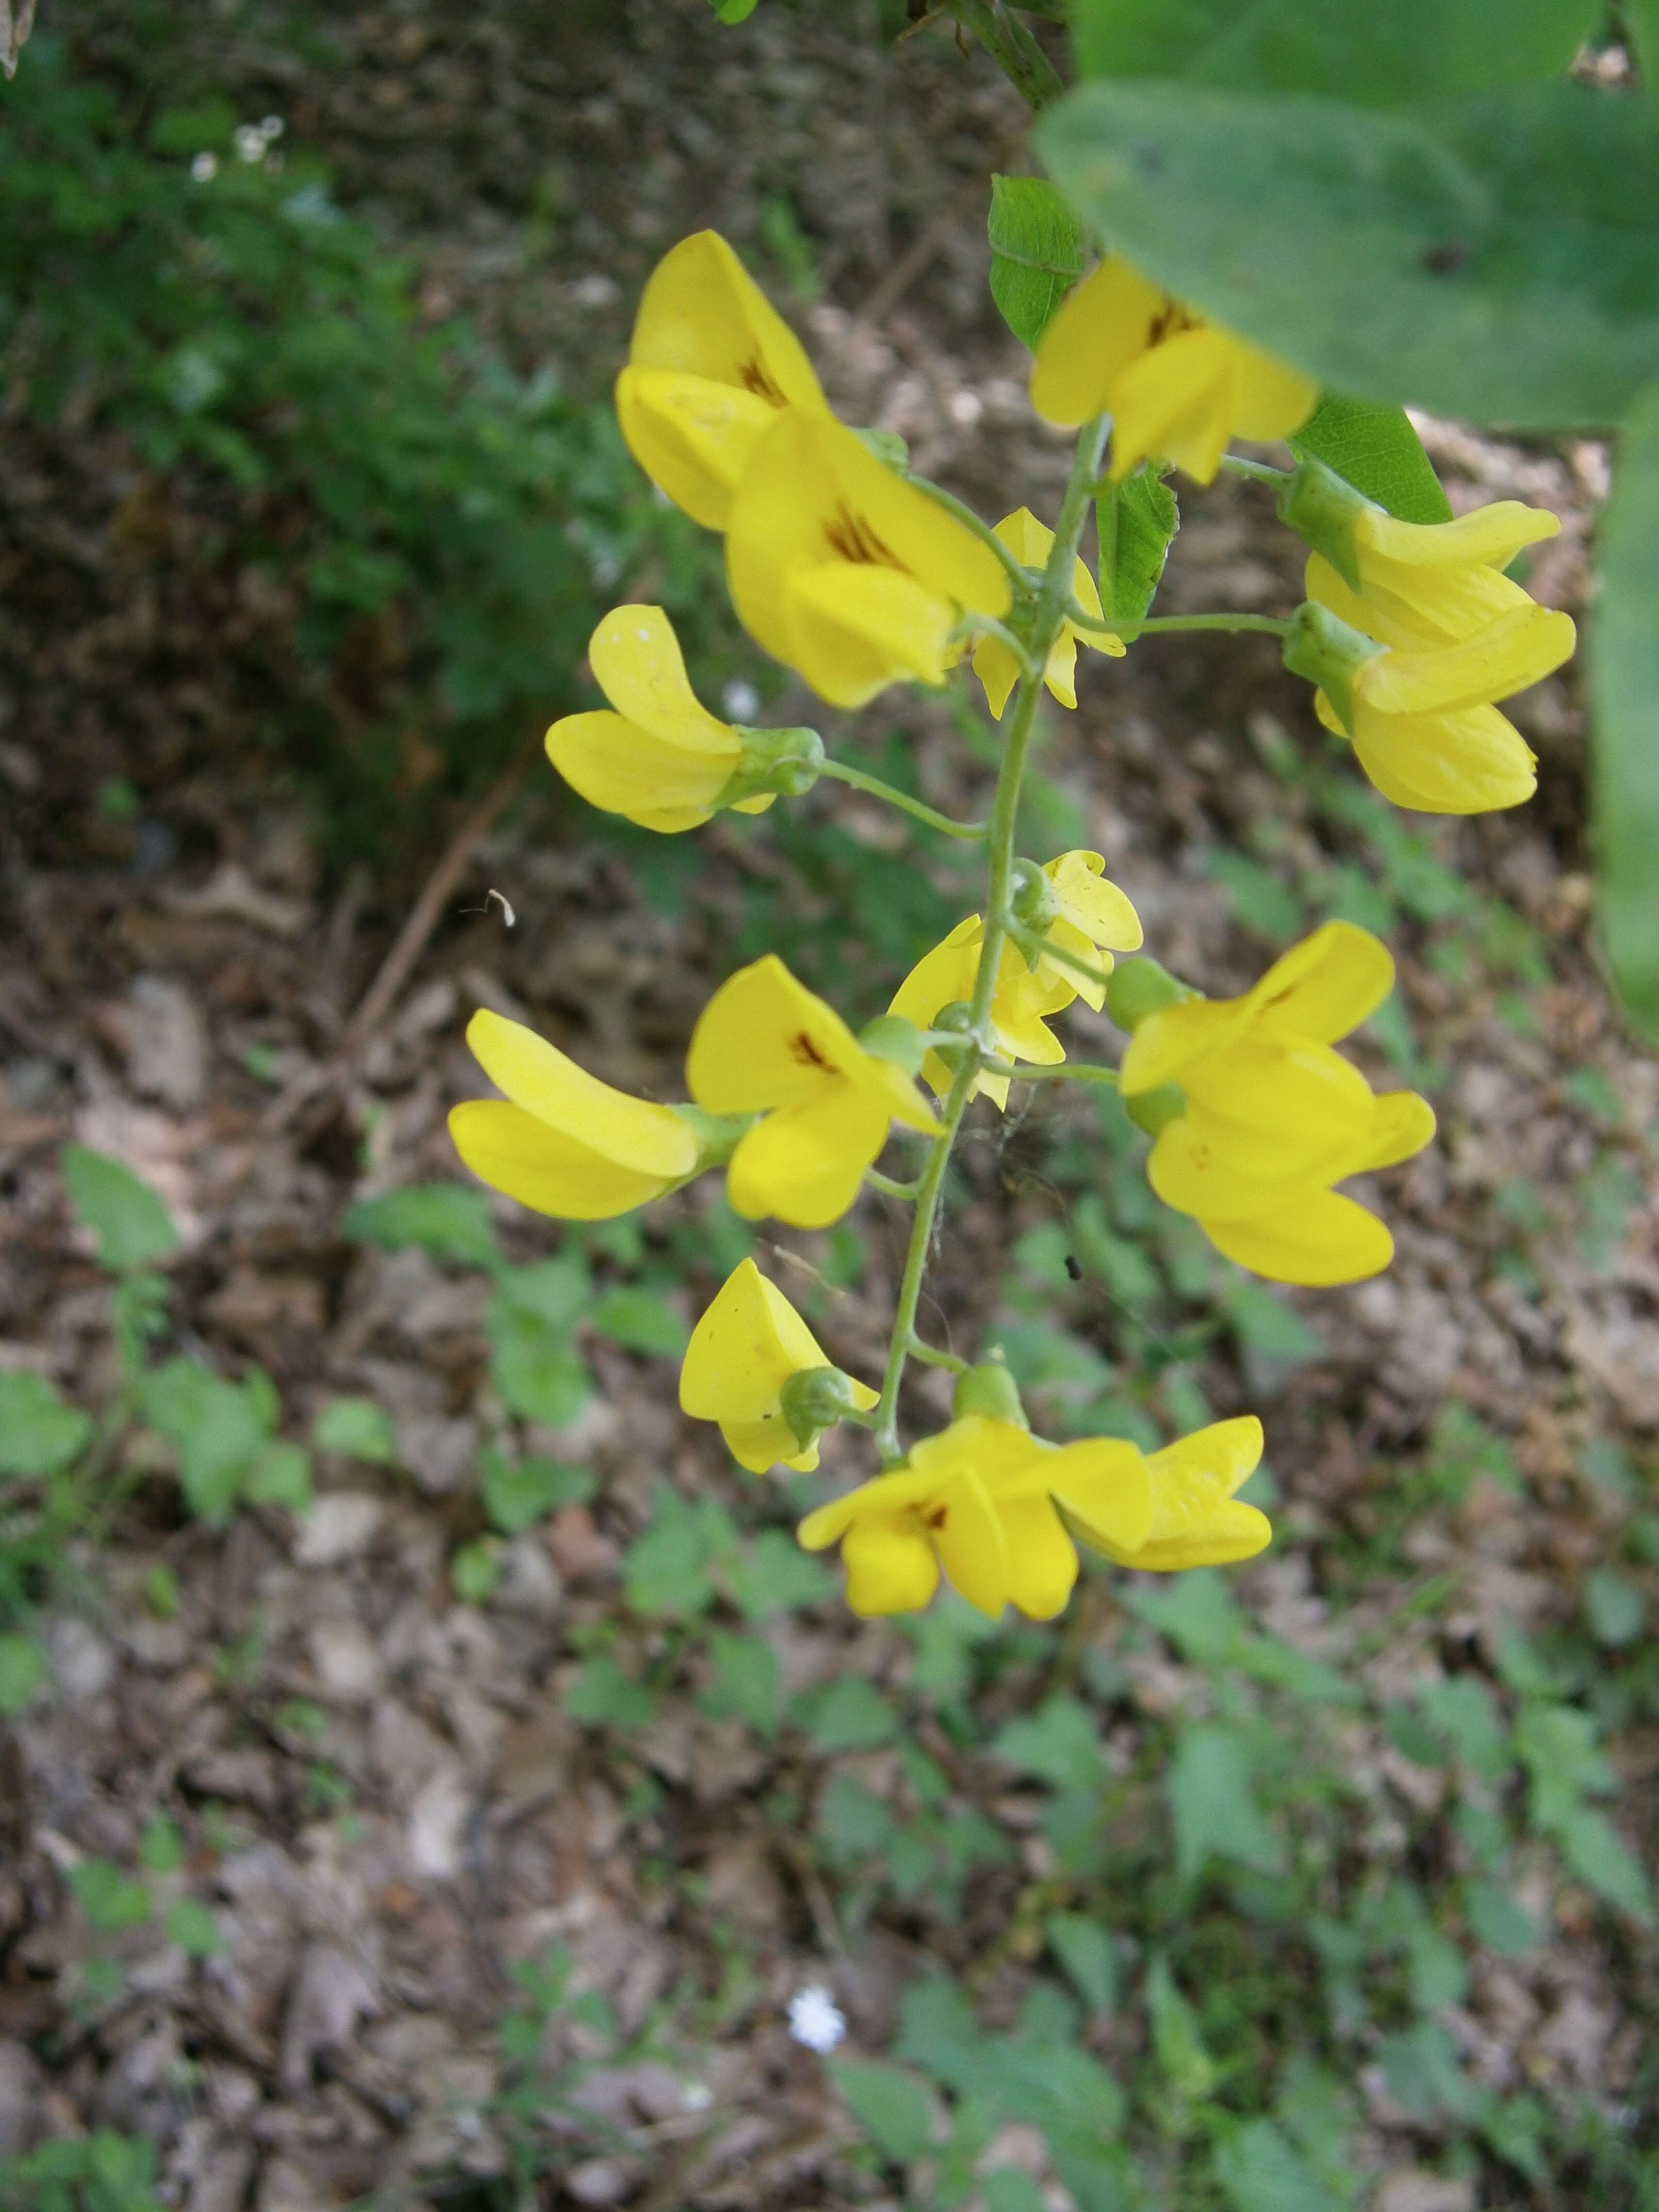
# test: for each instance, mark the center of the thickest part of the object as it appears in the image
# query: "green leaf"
(888, 2103)
(1603, 1863)
(1177, 2038)
(280, 1476)
(39, 1433)
(1624, 671)
(1616, 1607)
(1036, 253)
(1643, 17)
(1059, 1743)
(356, 1428)
(748, 1682)
(641, 1321)
(450, 1221)
(1086, 1951)
(1401, 54)
(556, 1292)
(1137, 520)
(852, 1715)
(1497, 260)
(602, 1696)
(1261, 902)
(1213, 1806)
(533, 1366)
(132, 1226)
(1259, 2169)
(772, 1574)
(1009, 2189)
(518, 1492)
(734, 11)
(161, 1849)
(474, 1570)
(1496, 1920)
(193, 1928)
(218, 1428)
(111, 1899)
(665, 1569)
(1378, 452)
(22, 1670)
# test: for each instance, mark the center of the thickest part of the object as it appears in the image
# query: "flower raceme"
(712, 365)
(1002, 1514)
(1029, 541)
(1269, 1117)
(744, 1355)
(659, 758)
(765, 1045)
(1177, 388)
(1089, 917)
(561, 1142)
(843, 571)
(1460, 636)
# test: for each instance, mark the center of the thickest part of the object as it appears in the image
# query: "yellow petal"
(1102, 1485)
(692, 436)
(943, 977)
(544, 1168)
(1060, 669)
(1261, 1094)
(1224, 1530)
(701, 313)
(1404, 1124)
(998, 671)
(1516, 651)
(1318, 1239)
(891, 1567)
(1000, 1452)
(967, 1533)
(888, 1497)
(1098, 331)
(1471, 763)
(1167, 1042)
(764, 1040)
(1176, 403)
(1272, 399)
(1042, 1559)
(1092, 904)
(805, 1163)
(1226, 1452)
(1062, 934)
(814, 497)
(651, 1140)
(636, 662)
(1415, 607)
(744, 1350)
(1324, 987)
(768, 1441)
(1196, 1521)
(620, 768)
(1488, 536)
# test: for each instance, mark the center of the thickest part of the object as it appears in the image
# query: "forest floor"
(384, 1796)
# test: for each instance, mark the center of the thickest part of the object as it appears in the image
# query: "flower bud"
(1139, 988)
(891, 1037)
(814, 1400)
(1330, 654)
(1035, 904)
(989, 1389)
(783, 761)
(888, 447)
(957, 1020)
(1321, 507)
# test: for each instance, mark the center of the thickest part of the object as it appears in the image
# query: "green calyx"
(786, 762)
(1323, 507)
(889, 448)
(1139, 987)
(1329, 653)
(1034, 904)
(956, 1020)
(1152, 1110)
(814, 1400)
(989, 1389)
(718, 1135)
(892, 1038)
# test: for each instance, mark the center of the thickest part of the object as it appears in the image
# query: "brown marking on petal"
(753, 378)
(1170, 322)
(854, 539)
(938, 1518)
(803, 1049)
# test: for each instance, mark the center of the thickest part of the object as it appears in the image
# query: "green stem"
(1030, 941)
(876, 789)
(988, 626)
(1018, 575)
(1071, 1072)
(1236, 466)
(905, 1190)
(1275, 624)
(979, 1046)
(931, 1356)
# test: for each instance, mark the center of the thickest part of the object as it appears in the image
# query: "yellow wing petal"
(618, 767)
(1517, 650)
(651, 1140)
(1272, 400)
(747, 1344)
(692, 435)
(1472, 762)
(805, 1163)
(1041, 1558)
(1488, 536)
(764, 1040)
(855, 628)
(543, 1168)
(1317, 1239)
(637, 663)
(1177, 402)
(1323, 988)
(1103, 1486)
(702, 312)
(1092, 904)
(891, 1567)
(1098, 331)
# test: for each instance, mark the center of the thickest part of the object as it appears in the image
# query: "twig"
(395, 970)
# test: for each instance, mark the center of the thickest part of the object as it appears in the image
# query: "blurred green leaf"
(39, 1433)
(1059, 1744)
(450, 1221)
(1259, 2169)
(601, 1696)
(357, 1429)
(218, 1428)
(641, 1321)
(1036, 253)
(1213, 1804)
(1086, 1951)
(132, 1227)
(1377, 450)
(516, 1493)
(193, 1928)
(112, 1900)
(888, 2103)
(22, 1670)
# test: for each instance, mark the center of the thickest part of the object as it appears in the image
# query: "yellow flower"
(1273, 1117)
(661, 759)
(844, 572)
(561, 1142)
(764, 1044)
(1029, 541)
(1091, 916)
(1196, 1520)
(1461, 635)
(1177, 388)
(710, 366)
(738, 1366)
(998, 1511)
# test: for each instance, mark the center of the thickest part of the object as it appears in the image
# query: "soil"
(172, 975)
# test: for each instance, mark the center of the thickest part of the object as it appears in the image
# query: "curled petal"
(621, 768)
(651, 1140)
(544, 1168)
(890, 1566)
(1474, 761)
(1316, 1238)
(804, 1162)
(636, 662)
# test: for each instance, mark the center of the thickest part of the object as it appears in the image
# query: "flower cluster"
(855, 574)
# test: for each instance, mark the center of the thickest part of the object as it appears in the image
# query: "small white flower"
(740, 700)
(697, 2096)
(250, 142)
(205, 168)
(271, 128)
(816, 2019)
